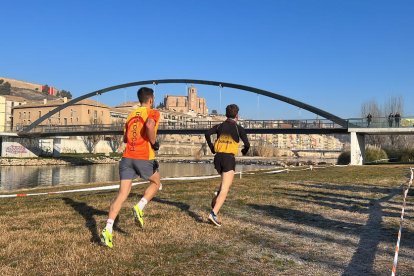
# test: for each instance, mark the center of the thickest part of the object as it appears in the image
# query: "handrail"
(382, 122)
(164, 125)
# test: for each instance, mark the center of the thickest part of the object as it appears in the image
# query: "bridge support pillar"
(357, 148)
(57, 147)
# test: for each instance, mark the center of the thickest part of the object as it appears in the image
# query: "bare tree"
(115, 142)
(393, 105)
(92, 140)
(372, 108)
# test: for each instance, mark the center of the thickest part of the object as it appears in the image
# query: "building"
(185, 104)
(7, 103)
(85, 112)
(167, 117)
(50, 90)
(301, 141)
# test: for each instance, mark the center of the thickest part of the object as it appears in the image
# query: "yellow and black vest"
(227, 142)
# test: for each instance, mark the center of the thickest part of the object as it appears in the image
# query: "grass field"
(334, 221)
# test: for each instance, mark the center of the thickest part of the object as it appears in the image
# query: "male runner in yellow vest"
(138, 160)
(226, 147)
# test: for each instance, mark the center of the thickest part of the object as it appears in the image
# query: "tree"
(92, 140)
(214, 112)
(116, 141)
(64, 93)
(394, 104)
(379, 114)
(5, 88)
(374, 109)
(161, 105)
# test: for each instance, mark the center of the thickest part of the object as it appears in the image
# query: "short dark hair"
(231, 111)
(145, 94)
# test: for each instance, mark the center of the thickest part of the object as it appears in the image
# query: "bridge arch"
(258, 91)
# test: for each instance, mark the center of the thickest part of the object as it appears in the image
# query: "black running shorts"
(224, 162)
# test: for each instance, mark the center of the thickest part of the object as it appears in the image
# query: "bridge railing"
(171, 125)
(381, 122)
(71, 128)
(307, 124)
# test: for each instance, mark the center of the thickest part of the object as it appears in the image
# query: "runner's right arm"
(125, 133)
(210, 132)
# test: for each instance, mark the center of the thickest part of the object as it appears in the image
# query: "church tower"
(192, 98)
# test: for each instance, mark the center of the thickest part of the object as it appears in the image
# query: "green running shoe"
(106, 238)
(138, 215)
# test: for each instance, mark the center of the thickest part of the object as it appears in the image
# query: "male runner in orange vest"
(138, 160)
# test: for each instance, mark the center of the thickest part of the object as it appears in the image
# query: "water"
(19, 177)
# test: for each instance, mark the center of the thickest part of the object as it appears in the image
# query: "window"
(40, 114)
(24, 115)
(20, 115)
(89, 112)
(71, 113)
(28, 115)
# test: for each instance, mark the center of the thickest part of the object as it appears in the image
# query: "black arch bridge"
(25, 131)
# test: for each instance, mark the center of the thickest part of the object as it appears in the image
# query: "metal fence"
(382, 122)
(183, 125)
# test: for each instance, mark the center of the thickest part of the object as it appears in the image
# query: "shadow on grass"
(367, 188)
(343, 204)
(182, 206)
(88, 213)
(370, 234)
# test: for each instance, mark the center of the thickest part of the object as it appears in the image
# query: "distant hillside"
(31, 95)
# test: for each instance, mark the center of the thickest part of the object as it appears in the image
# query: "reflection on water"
(18, 177)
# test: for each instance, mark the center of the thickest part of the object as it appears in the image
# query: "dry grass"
(336, 221)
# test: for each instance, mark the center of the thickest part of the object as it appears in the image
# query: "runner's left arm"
(243, 137)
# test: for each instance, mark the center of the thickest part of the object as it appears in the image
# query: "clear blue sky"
(333, 54)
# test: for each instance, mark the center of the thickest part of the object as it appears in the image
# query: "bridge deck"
(383, 130)
(380, 126)
(252, 127)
